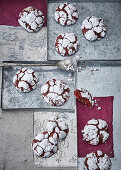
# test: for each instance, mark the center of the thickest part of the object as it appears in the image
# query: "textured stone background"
(16, 133)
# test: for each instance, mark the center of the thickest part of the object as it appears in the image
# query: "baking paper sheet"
(9, 10)
(16, 44)
(84, 114)
(66, 157)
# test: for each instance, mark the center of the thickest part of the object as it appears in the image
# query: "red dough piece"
(84, 96)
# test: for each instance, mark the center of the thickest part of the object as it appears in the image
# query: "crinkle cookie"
(55, 92)
(95, 131)
(66, 14)
(97, 161)
(31, 19)
(66, 44)
(44, 145)
(25, 80)
(93, 28)
(84, 96)
(58, 127)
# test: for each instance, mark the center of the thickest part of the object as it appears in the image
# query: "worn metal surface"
(12, 99)
(103, 79)
(107, 48)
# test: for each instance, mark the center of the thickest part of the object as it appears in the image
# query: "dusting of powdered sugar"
(97, 160)
(93, 28)
(25, 80)
(55, 92)
(67, 44)
(31, 19)
(58, 127)
(66, 14)
(44, 145)
(96, 131)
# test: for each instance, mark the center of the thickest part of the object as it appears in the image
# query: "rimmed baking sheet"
(66, 157)
(102, 78)
(12, 99)
(108, 48)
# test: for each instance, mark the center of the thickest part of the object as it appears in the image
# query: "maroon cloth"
(10, 9)
(84, 114)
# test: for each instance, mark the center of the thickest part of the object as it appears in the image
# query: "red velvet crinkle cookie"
(66, 14)
(44, 145)
(96, 131)
(93, 28)
(31, 19)
(67, 44)
(84, 96)
(97, 161)
(25, 80)
(58, 127)
(55, 92)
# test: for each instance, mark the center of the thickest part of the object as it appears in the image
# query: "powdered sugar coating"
(25, 80)
(66, 14)
(44, 145)
(96, 131)
(67, 44)
(97, 160)
(84, 96)
(58, 127)
(31, 19)
(93, 28)
(55, 92)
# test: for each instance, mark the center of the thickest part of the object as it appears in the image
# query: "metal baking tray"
(12, 99)
(108, 48)
(103, 78)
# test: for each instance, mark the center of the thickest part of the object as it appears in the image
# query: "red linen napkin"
(84, 114)
(10, 9)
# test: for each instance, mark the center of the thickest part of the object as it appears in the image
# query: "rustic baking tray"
(12, 99)
(108, 48)
(103, 78)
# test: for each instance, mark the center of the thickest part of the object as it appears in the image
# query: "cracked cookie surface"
(55, 92)
(93, 28)
(31, 19)
(66, 14)
(44, 145)
(97, 161)
(25, 80)
(96, 132)
(58, 127)
(67, 44)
